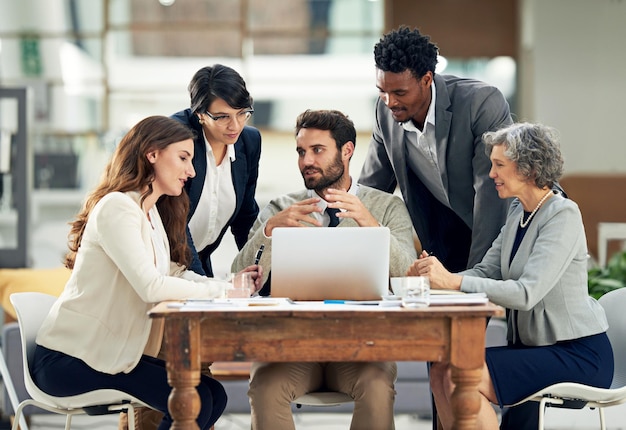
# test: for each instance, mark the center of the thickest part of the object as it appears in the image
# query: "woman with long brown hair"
(127, 255)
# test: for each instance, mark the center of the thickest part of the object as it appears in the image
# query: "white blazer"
(101, 316)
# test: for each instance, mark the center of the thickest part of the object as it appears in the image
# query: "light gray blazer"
(545, 285)
(389, 211)
(464, 110)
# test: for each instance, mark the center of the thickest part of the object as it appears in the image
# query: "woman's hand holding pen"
(421, 266)
(428, 265)
(257, 276)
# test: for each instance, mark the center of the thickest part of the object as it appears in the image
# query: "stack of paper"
(458, 298)
(201, 304)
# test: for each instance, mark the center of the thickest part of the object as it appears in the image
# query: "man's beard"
(331, 176)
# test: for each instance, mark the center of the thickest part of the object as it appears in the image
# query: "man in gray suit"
(427, 140)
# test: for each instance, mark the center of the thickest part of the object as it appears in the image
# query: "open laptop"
(324, 263)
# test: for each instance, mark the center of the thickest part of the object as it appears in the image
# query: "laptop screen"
(322, 263)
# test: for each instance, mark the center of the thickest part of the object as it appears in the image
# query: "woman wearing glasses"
(226, 162)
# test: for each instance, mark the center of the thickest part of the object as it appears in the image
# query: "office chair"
(322, 398)
(577, 396)
(31, 309)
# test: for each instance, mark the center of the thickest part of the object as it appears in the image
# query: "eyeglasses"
(223, 120)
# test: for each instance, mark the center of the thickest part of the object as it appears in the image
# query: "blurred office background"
(90, 69)
(93, 68)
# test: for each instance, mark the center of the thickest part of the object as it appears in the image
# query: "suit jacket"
(388, 209)
(101, 317)
(464, 110)
(244, 170)
(545, 285)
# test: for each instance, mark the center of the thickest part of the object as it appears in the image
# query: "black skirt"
(518, 371)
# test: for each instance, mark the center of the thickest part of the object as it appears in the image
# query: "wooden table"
(324, 333)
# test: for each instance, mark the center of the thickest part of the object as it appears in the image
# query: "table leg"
(182, 342)
(467, 356)
(465, 400)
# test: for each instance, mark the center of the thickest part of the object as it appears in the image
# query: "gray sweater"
(388, 209)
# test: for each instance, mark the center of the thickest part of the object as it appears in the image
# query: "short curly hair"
(405, 49)
(534, 148)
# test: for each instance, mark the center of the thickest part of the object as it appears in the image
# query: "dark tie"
(332, 213)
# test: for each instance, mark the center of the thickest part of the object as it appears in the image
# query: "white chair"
(577, 396)
(323, 398)
(31, 309)
(10, 388)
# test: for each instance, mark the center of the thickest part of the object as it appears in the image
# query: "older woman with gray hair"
(537, 269)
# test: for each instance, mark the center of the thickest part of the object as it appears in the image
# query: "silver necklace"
(523, 223)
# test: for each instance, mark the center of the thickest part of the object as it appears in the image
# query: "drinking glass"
(415, 291)
(242, 285)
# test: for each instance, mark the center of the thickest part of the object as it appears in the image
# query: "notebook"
(324, 263)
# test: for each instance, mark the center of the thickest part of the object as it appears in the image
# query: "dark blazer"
(245, 171)
(464, 110)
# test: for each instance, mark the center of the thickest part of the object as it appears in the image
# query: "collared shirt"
(217, 201)
(423, 155)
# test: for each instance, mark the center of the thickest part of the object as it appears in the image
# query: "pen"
(257, 258)
(335, 302)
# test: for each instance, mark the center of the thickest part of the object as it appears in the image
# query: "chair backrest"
(31, 309)
(596, 207)
(614, 304)
(496, 332)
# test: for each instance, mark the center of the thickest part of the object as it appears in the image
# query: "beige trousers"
(273, 386)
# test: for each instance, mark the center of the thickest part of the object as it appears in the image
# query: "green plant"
(604, 279)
